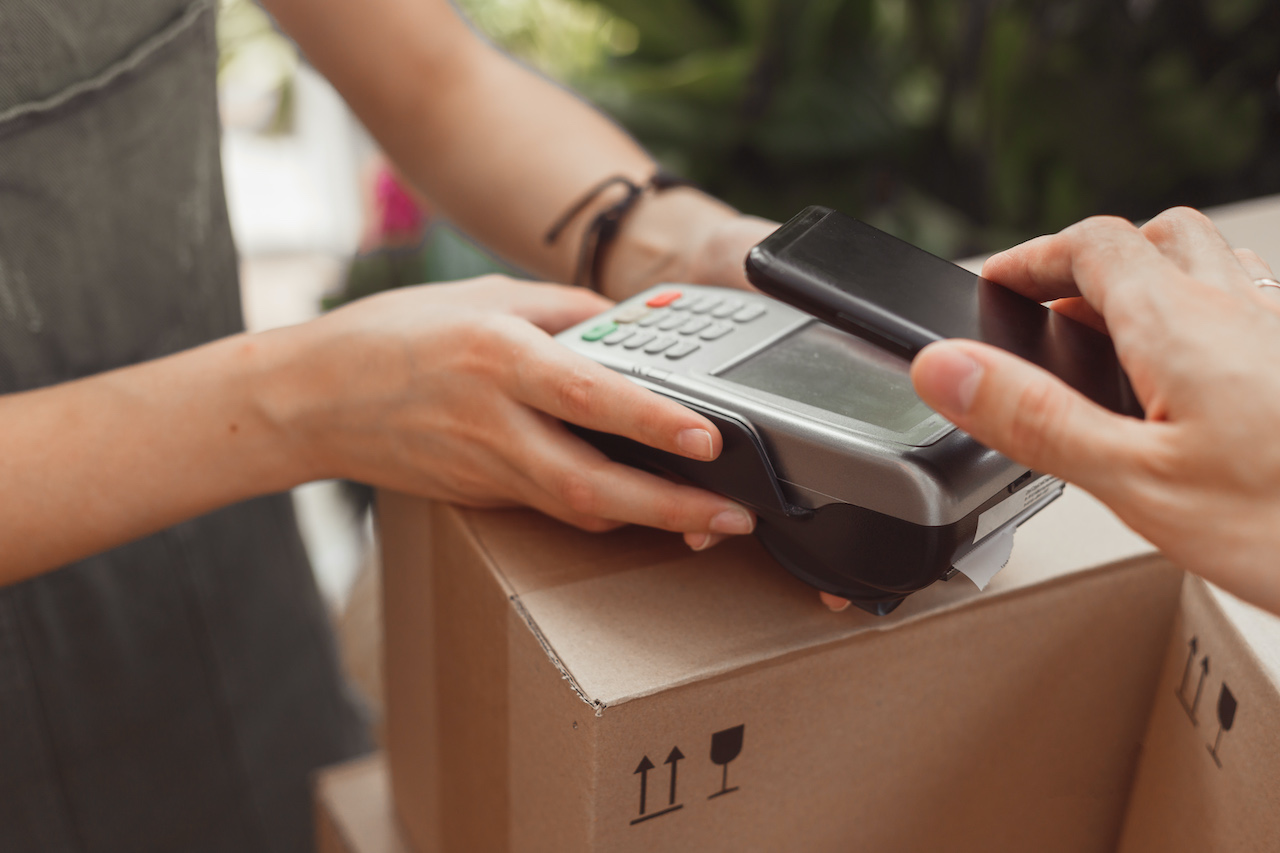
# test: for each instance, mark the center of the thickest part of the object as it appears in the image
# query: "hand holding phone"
(1195, 322)
(873, 285)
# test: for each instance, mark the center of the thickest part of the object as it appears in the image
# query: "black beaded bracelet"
(604, 227)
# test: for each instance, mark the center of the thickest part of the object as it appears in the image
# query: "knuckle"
(1098, 238)
(490, 346)
(576, 393)
(1187, 216)
(1105, 224)
(578, 492)
(486, 329)
(1175, 224)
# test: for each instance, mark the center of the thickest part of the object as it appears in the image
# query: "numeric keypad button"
(639, 339)
(598, 331)
(706, 304)
(673, 321)
(682, 349)
(727, 309)
(659, 300)
(659, 344)
(618, 336)
(630, 314)
(714, 332)
(693, 326)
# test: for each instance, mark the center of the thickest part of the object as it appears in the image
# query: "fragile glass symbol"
(725, 746)
(1226, 717)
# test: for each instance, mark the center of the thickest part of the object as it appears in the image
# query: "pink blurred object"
(399, 217)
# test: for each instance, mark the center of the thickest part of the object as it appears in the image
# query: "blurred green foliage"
(963, 125)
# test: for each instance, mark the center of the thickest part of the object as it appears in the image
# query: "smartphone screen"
(885, 290)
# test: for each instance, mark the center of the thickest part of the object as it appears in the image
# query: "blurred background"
(962, 125)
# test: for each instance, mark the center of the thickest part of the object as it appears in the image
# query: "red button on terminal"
(660, 300)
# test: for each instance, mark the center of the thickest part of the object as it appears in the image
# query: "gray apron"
(173, 694)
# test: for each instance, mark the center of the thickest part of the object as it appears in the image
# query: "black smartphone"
(885, 290)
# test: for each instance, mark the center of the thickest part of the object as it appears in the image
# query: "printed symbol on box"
(1226, 717)
(725, 746)
(1181, 693)
(673, 758)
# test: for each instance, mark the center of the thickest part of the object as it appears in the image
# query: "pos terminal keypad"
(674, 324)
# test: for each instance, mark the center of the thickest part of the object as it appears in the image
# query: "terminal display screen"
(836, 372)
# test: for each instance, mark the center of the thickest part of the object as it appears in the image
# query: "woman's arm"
(94, 463)
(502, 151)
(451, 391)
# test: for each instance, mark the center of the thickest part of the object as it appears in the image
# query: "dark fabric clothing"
(176, 693)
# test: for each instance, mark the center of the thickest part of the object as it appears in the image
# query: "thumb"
(1024, 412)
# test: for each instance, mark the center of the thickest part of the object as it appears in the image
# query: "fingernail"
(703, 541)
(834, 603)
(954, 380)
(733, 521)
(695, 443)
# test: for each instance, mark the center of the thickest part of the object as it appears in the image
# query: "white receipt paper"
(981, 564)
(996, 526)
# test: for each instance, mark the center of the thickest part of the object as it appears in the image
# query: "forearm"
(94, 463)
(501, 151)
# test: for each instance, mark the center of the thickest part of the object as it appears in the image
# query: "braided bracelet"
(605, 225)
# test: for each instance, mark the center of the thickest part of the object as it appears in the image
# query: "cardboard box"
(551, 690)
(353, 809)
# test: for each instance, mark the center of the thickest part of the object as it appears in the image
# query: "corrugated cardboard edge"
(567, 676)
(599, 705)
(525, 616)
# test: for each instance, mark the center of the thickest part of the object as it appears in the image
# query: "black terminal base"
(872, 559)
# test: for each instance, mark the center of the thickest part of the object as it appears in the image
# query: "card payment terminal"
(860, 489)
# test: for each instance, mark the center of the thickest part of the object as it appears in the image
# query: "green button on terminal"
(597, 332)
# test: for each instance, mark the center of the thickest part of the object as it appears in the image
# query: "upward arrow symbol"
(1195, 702)
(645, 766)
(1186, 671)
(673, 759)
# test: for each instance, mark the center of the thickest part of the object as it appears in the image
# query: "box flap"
(634, 612)
(1209, 776)
(1259, 630)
